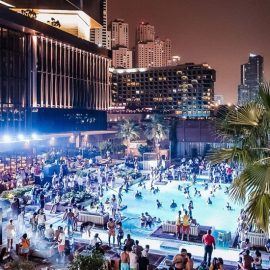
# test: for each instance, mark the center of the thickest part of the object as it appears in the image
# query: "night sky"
(219, 32)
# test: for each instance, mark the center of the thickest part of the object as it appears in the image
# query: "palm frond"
(256, 177)
(247, 115)
(128, 130)
(258, 210)
(264, 94)
(243, 156)
(238, 190)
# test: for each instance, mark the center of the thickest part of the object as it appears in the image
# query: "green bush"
(79, 196)
(94, 261)
(19, 192)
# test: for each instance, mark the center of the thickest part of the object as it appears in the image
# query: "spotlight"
(20, 137)
(6, 138)
(52, 141)
(34, 136)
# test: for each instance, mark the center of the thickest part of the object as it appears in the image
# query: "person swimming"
(228, 206)
(209, 201)
(199, 194)
(138, 195)
(173, 204)
(159, 204)
(127, 187)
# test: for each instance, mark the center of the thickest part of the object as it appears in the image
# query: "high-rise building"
(145, 32)
(149, 50)
(251, 77)
(167, 52)
(119, 33)
(109, 40)
(100, 35)
(51, 79)
(156, 53)
(186, 90)
(122, 58)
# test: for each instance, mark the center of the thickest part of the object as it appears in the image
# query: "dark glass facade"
(186, 90)
(13, 78)
(38, 71)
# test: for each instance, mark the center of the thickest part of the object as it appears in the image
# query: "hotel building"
(185, 90)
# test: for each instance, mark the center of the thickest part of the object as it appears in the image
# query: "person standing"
(111, 230)
(10, 232)
(61, 243)
(125, 259)
(120, 234)
(41, 219)
(209, 244)
(129, 242)
(178, 224)
(33, 222)
(133, 259)
(70, 220)
(144, 260)
(42, 199)
(25, 245)
(21, 223)
(186, 225)
(138, 249)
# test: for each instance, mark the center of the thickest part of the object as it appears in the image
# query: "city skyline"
(232, 30)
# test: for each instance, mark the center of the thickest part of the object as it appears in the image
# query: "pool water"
(215, 215)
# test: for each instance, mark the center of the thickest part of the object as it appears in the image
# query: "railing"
(257, 239)
(171, 228)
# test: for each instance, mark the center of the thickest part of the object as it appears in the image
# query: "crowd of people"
(103, 178)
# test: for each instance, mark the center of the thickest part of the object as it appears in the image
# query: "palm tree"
(248, 129)
(128, 131)
(157, 130)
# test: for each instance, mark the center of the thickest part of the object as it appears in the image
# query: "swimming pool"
(215, 215)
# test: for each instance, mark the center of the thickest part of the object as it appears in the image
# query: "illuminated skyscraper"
(251, 77)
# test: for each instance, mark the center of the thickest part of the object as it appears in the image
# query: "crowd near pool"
(214, 215)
